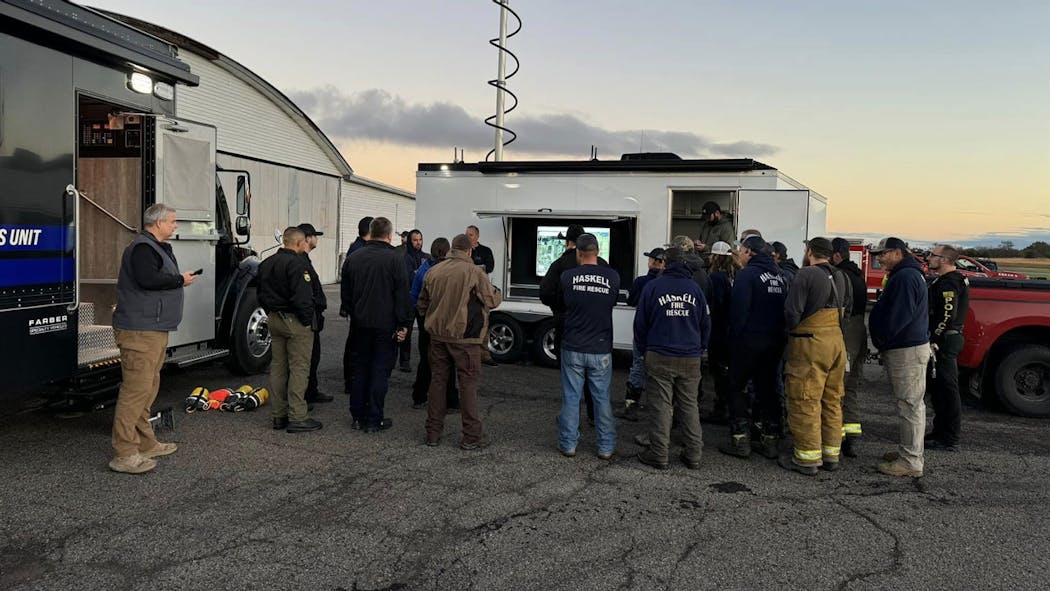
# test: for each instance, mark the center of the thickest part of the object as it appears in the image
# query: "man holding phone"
(149, 306)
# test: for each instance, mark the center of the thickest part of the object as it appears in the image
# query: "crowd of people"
(784, 345)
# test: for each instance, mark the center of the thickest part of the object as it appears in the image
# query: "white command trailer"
(632, 205)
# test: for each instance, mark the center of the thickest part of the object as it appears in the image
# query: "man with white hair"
(149, 306)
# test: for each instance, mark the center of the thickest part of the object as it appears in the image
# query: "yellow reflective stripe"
(831, 452)
(851, 429)
(807, 455)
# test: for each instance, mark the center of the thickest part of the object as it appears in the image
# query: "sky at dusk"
(929, 120)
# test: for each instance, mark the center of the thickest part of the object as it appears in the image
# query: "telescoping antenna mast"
(500, 83)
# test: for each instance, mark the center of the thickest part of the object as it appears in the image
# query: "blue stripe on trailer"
(19, 272)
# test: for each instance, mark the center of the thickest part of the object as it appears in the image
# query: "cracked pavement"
(241, 506)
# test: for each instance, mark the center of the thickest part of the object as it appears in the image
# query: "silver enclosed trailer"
(632, 205)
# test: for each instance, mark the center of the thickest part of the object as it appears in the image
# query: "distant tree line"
(1006, 250)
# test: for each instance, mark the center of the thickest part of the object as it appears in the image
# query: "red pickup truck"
(1007, 343)
(976, 267)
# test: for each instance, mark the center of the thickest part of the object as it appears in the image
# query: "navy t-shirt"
(589, 293)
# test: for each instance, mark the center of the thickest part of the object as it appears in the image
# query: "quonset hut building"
(297, 173)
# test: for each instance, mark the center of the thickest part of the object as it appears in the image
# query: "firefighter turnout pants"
(814, 375)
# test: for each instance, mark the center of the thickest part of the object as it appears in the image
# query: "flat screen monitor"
(549, 247)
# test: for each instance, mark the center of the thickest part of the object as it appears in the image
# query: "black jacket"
(859, 285)
(698, 269)
(482, 255)
(375, 288)
(414, 259)
(788, 269)
(344, 296)
(949, 302)
(285, 285)
(320, 300)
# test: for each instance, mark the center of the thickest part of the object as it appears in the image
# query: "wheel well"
(1011, 339)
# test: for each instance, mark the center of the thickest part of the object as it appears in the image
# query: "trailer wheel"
(506, 338)
(543, 344)
(250, 340)
(1023, 381)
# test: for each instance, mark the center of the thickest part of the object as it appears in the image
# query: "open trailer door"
(182, 174)
(781, 215)
(531, 244)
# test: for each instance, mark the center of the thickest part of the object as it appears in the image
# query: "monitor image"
(549, 247)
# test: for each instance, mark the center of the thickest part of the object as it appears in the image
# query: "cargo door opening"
(686, 205)
(534, 244)
(109, 176)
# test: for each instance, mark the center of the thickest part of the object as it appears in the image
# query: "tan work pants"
(141, 357)
(814, 376)
(906, 369)
(292, 345)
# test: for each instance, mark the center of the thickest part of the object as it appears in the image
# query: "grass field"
(1032, 267)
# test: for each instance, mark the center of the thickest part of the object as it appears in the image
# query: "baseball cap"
(710, 207)
(656, 253)
(309, 230)
(841, 246)
(757, 244)
(890, 243)
(721, 248)
(587, 243)
(572, 233)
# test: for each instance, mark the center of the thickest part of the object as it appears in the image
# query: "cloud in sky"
(378, 115)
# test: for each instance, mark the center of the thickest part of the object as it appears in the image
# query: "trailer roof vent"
(651, 156)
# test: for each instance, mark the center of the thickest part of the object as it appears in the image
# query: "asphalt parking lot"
(241, 506)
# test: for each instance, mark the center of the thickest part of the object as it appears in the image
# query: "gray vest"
(147, 309)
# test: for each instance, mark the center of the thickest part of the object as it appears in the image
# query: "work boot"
(303, 426)
(788, 463)
(739, 445)
(849, 447)
(473, 445)
(629, 411)
(898, 468)
(161, 449)
(649, 459)
(940, 444)
(768, 446)
(133, 464)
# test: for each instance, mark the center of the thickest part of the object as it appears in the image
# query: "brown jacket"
(456, 299)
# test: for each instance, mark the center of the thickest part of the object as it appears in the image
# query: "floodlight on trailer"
(140, 83)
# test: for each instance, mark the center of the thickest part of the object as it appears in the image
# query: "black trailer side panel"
(38, 336)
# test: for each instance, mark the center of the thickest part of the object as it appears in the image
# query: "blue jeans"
(596, 369)
(637, 375)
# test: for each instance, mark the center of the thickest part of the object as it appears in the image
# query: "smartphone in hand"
(197, 272)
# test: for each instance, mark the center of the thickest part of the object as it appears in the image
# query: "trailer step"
(95, 343)
(198, 357)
